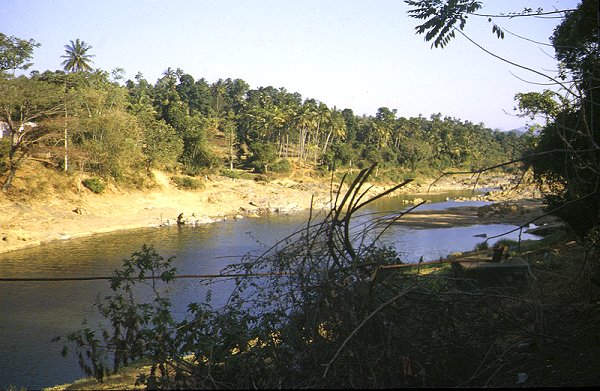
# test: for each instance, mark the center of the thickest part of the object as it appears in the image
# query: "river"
(32, 313)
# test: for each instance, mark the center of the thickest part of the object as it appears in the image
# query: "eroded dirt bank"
(24, 224)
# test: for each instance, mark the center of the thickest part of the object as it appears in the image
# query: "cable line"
(92, 278)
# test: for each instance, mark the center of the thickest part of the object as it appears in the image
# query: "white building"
(4, 132)
(4, 129)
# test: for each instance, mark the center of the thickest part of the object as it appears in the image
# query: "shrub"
(324, 314)
(282, 166)
(481, 246)
(95, 184)
(262, 178)
(231, 174)
(187, 183)
(263, 155)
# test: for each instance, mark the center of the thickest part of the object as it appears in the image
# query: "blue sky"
(352, 54)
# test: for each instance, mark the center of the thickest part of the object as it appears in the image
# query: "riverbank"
(555, 348)
(71, 215)
(517, 212)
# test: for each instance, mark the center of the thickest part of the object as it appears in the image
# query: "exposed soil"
(26, 222)
(83, 213)
(516, 212)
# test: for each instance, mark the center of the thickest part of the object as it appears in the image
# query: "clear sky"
(357, 54)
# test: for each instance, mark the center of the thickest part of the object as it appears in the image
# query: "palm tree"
(77, 59)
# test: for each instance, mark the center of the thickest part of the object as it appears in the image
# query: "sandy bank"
(518, 212)
(25, 224)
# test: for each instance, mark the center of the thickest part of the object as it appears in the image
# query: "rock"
(508, 208)
(203, 220)
(486, 211)
(501, 209)
(545, 229)
(522, 377)
(513, 273)
(455, 255)
(524, 346)
(81, 211)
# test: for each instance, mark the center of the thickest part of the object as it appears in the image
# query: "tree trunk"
(11, 174)
(66, 149)
(327, 141)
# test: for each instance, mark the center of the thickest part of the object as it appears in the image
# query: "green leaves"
(77, 58)
(15, 53)
(138, 328)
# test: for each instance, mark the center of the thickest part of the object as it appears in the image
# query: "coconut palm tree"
(77, 59)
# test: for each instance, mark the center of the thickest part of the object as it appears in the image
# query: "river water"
(32, 313)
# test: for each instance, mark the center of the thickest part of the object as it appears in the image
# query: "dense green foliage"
(94, 184)
(567, 158)
(87, 121)
(15, 53)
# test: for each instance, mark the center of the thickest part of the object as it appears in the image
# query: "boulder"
(81, 211)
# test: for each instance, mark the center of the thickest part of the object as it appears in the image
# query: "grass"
(187, 183)
(95, 184)
(123, 380)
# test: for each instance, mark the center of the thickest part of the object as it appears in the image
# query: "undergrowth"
(321, 309)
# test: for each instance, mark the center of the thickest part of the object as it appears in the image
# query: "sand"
(25, 224)
(516, 212)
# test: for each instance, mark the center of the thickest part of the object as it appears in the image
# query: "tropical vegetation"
(87, 120)
(326, 311)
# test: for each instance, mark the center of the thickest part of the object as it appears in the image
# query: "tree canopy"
(15, 53)
(187, 124)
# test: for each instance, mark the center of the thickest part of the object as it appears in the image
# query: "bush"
(481, 246)
(263, 155)
(231, 174)
(138, 180)
(4, 149)
(95, 184)
(187, 183)
(282, 166)
(262, 178)
(324, 314)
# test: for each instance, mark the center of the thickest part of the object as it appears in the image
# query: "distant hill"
(520, 131)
